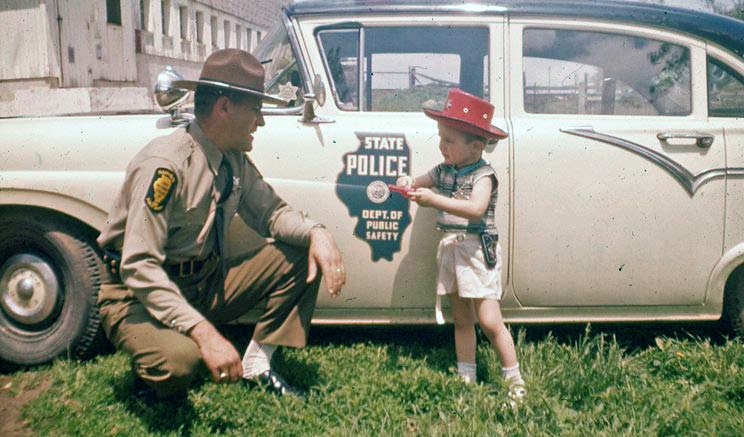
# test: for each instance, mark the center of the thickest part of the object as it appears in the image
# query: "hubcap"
(29, 290)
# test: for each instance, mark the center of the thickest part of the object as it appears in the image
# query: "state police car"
(621, 183)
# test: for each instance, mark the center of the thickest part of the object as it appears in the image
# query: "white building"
(71, 56)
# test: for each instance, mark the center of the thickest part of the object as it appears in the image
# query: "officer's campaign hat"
(234, 70)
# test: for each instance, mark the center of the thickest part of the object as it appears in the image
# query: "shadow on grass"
(418, 341)
(421, 341)
(432, 343)
(160, 416)
(298, 373)
(634, 337)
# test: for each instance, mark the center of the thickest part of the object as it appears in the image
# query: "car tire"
(49, 281)
(734, 303)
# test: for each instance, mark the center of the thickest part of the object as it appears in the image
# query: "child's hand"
(422, 196)
(404, 181)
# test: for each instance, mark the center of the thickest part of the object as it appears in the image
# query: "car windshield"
(282, 73)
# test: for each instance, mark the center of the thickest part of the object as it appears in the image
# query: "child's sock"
(257, 359)
(466, 371)
(512, 375)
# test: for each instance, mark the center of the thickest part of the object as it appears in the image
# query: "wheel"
(733, 303)
(49, 281)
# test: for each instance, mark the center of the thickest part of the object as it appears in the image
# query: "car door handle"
(702, 139)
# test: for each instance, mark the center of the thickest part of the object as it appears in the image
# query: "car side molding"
(689, 181)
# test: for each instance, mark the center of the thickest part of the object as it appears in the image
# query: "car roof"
(724, 31)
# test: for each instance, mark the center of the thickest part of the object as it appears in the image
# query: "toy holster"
(488, 244)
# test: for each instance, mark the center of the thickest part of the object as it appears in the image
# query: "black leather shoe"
(271, 381)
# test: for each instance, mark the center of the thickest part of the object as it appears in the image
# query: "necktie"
(223, 184)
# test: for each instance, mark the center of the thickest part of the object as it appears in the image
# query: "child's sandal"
(517, 393)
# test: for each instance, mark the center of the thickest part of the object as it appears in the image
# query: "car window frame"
(495, 25)
(341, 27)
(515, 85)
(290, 27)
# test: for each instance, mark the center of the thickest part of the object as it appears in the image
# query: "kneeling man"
(164, 240)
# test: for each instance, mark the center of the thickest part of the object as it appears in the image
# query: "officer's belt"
(187, 268)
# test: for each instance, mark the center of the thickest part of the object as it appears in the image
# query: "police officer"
(164, 239)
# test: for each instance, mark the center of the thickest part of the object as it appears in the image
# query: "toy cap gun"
(403, 191)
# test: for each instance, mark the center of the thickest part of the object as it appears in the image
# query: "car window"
(341, 55)
(725, 90)
(583, 72)
(282, 73)
(405, 67)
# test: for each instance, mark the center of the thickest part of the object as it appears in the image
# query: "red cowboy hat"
(468, 113)
(235, 70)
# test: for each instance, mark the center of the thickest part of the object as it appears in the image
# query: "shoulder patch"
(162, 185)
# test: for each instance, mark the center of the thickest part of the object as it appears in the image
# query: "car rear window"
(404, 67)
(583, 72)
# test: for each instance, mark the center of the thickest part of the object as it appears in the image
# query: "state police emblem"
(382, 218)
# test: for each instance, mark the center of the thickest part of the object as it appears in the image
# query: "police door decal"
(382, 216)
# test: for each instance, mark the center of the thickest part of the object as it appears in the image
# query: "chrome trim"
(294, 110)
(361, 62)
(702, 139)
(689, 182)
(295, 43)
(30, 292)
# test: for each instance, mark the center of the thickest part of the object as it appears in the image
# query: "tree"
(733, 9)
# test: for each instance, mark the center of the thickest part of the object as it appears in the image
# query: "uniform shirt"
(458, 184)
(165, 213)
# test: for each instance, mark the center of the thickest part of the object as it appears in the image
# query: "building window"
(258, 37)
(248, 40)
(214, 30)
(183, 17)
(165, 16)
(238, 36)
(113, 12)
(227, 34)
(200, 27)
(144, 14)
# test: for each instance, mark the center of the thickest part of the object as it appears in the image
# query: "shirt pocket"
(191, 218)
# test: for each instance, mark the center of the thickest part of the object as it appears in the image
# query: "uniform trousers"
(272, 278)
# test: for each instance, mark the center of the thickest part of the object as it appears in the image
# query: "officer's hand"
(422, 196)
(323, 252)
(218, 354)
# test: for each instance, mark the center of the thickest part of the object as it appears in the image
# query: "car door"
(612, 202)
(725, 79)
(371, 130)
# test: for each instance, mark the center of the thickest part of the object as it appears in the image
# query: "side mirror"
(318, 95)
(319, 90)
(170, 98)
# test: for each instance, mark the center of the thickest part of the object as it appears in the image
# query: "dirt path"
(11, 423)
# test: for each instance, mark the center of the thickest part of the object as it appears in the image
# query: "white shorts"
(463, 270)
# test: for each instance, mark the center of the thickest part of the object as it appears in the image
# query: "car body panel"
(608, 206)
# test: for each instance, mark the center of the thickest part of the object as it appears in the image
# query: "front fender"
(82, 211)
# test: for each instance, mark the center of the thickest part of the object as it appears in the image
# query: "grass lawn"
(643, 380)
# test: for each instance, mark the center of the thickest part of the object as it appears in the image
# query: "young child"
(466, 199)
